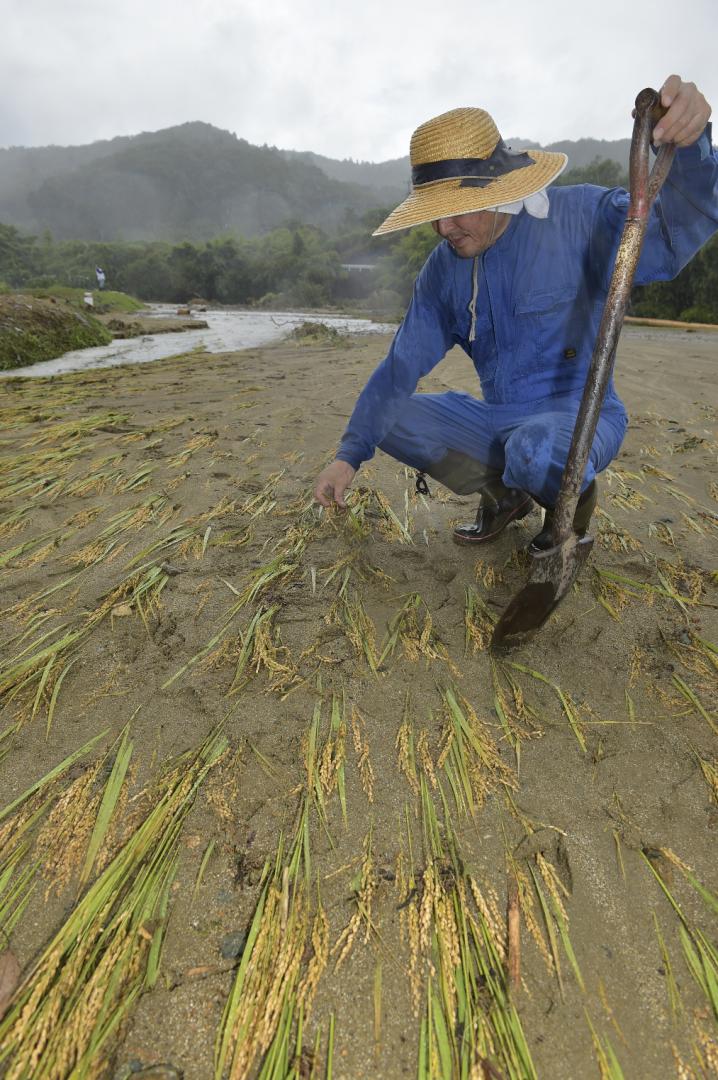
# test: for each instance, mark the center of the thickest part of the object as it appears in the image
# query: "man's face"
(471, 234)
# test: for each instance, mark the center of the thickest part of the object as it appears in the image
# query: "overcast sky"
(345, 79)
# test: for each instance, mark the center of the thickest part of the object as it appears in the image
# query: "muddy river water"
(227, 331)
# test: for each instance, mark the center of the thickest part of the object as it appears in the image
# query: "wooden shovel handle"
(644, 187)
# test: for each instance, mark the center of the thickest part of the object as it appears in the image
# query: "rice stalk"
(391, 526)
(16, 887)
(611, 596)
(550, 931)
(324, 760)
(108, 804)
(265, 997)
(64, 836)
(405, 748)
(65, 1016)
(487, 575)
(709, 768)
(30, 545)
(138, 479)
(13, 828)
(57, 686)
(200, 441)
(377, 1009)
(348, 612)
(527, 907)
(333, 755)
(96, 552)
(39, 664)
(553, 887)
(330, 1048)
(96, 478)
(417, 639)
(361, 749)
(478, 622)
(233, 538)
(569, 709)
(179, 535)
(700, 954)
(608, 1064)
(664, 590)
(518, 720)
(613, 536)
(470, 1026)
(260, 648)
(71, 430)
(203, 868)
(363, 889)
(278, 569)
(470, 756)
(264, 501)
(694, 701)
(12, 522)
(6, 738)
(674, 996)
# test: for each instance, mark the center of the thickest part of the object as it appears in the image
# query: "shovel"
(554, 571)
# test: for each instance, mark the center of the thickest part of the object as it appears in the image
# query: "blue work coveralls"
(541, 291)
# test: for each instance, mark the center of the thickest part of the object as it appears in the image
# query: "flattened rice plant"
(470, 1026)
(64, 1017)
(699, 952)
(479, 622)
(517, 718)
(348, 612)
(278, 571)
(417, 637)
(567, 705)
(260, 648)
(270, 996)
(35, 674)
(363, 889)
(470, 757)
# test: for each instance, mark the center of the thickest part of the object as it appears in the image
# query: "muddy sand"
(337, 865)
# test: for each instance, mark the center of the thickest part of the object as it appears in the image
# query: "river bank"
(212, 330)
(386, 786)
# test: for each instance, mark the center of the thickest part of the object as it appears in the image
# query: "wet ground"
(389, 784)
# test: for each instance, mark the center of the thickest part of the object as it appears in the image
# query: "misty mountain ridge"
(195, 181)
(397, 171)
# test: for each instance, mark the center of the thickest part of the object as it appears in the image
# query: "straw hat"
(460, 163)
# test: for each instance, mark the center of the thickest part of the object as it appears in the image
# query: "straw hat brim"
(447, 198)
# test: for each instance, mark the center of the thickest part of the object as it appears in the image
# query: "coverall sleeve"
(683, 217)
(420, 343)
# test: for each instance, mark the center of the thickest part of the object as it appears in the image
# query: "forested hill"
(190, 182)
(195, 182)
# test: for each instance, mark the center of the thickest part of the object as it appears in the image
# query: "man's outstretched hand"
(688, 113)
(333, 482)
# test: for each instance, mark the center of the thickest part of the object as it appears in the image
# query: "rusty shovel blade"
(553, 572)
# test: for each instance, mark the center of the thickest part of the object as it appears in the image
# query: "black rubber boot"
(584, 509)
(493, 515)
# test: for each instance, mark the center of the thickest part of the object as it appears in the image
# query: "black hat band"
(474, 172)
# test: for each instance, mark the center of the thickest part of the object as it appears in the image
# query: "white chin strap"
(536, 205)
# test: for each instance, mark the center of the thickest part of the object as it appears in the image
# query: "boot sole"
(516, 515)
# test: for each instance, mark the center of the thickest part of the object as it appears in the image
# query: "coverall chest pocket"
(550, 330)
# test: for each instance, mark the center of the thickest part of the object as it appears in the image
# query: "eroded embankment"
(34, 329)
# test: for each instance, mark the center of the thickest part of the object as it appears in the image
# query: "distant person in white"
(100, 275)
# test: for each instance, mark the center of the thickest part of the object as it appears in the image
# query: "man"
(519, 283)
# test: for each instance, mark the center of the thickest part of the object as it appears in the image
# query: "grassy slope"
(50, 322)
